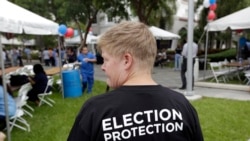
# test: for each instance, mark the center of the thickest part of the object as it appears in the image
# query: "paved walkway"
(170, 78)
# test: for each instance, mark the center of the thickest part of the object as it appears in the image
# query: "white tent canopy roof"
(15, 19)
(234, 21)
(77, 40)
(163, 34)
(16, 41)
(12, 41)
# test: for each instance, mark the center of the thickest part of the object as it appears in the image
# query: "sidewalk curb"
(223, 86)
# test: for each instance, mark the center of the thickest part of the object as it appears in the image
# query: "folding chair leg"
(44, 101)
(29, 107)
(21, 120)
(26, 112)
(52, 101)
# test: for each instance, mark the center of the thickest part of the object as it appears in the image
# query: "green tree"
(154, 12)
(85, 11)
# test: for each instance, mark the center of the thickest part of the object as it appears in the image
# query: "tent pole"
(60, 63)
(205, 57)
(5, 93)
(201, 37)
(190, 47)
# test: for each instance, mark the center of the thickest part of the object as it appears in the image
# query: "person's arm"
(91, 59)
(2, 136)
(32, 82)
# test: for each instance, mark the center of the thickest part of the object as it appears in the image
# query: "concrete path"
(170, 78)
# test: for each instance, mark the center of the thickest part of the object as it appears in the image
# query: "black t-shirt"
(178, 50)
(137, 113)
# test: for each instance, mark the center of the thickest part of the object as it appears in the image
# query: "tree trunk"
(79, 29)
(90, 21)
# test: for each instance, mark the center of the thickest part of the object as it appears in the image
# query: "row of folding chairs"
(221, 73)
(23, 108)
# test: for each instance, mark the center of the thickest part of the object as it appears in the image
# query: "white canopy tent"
(77, 40)
(235, 21)
(12, 41)
(15, 41)
(15, 19)
(161, 34)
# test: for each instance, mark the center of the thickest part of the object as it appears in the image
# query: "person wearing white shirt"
(184, 64)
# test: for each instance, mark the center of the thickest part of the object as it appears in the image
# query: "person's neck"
(140, 78)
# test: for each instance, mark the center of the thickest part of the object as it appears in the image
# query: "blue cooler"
(72, 85)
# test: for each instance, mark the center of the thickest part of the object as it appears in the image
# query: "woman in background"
(177, 63)
(38, 82)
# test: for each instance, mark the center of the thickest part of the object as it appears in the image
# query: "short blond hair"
(130, 37)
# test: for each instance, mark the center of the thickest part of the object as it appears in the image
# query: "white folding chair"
(15, 121)
(44, 97)
(218, 72)
(21, 99)
(247, 75)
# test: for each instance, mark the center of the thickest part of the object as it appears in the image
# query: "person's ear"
(128, 60)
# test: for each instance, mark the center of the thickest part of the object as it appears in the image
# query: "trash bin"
(72, 85)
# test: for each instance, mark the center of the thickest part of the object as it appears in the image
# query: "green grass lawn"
(221, 120)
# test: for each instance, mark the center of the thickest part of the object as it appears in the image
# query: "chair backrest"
(24, 89)
(49, 84)
(215, 66)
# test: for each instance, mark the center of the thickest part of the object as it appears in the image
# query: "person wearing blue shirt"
(11, 104)
(87, 61)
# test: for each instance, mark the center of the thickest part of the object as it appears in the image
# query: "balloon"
(62, 29)
(206, 3)
(211, 15)
(212, 1)
(239, 30)
(213, 7)
(70, 32)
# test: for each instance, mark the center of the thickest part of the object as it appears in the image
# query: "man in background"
(184, 64)
(87, 61)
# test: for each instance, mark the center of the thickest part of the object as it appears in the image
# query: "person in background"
(38, 82)
(14, 55)
(63, 58)
(71, 55)
(177, 58)
(137, 108)
(46, 56)
(52, 57)
(19, 57)
(40, 54)
(3, 55)
(11, 104)
(87, 61)
(27, 51)
(161, 57)
(184, 54)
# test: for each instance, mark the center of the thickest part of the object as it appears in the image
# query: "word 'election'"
(142, 123)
